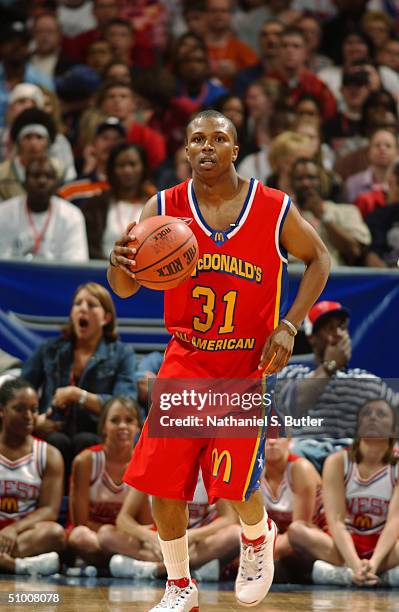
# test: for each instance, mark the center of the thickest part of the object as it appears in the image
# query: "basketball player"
(291, 489)
(245, 301)
(31, 484)
(361, 500)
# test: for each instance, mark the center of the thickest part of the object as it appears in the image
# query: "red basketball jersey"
(221, 316)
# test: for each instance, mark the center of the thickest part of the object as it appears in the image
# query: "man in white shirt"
(39, 225)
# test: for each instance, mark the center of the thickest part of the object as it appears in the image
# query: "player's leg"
(259, 533)
(168, 470)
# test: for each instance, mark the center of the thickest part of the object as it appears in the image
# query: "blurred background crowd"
(95, 97)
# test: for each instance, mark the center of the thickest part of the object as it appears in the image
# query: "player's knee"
(297, 534)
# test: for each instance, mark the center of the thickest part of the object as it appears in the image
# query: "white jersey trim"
(286, 203)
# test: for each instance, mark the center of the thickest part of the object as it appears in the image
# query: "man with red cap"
(328, 390)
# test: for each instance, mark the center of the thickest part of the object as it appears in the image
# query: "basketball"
(167, 252)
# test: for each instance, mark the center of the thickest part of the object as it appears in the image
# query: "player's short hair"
(214, 114)
(10, 387)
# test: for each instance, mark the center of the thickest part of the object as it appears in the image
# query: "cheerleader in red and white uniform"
(97, 490)
(31, 484)
(361, 501)
(291, 489)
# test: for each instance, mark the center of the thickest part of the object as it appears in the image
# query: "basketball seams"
(163, 258)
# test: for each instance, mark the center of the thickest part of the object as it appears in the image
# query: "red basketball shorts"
(168, 467)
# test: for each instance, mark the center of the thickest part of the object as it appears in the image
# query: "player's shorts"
(365, 544)
(168, 467)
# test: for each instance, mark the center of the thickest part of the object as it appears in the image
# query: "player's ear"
(236, 148)
(187, 157)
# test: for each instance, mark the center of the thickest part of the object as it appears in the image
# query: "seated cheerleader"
(31, 485)
(361, 502)
(97, 490)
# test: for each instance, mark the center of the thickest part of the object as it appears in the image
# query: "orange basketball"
(167, 252)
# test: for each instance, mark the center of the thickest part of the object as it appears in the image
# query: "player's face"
(210, 147)
(88, 315)
(120, 426)
(19, 414)
(276, 450)
(376, 420)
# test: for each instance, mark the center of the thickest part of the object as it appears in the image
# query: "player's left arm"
(300, 239)
(389, 536)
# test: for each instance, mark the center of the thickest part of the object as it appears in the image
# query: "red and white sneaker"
(256, 571)
(180, 596)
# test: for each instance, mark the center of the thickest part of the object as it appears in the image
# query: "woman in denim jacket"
(78, 372)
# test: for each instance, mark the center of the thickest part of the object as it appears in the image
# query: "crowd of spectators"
(299, 80)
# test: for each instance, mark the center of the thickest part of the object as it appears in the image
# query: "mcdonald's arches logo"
(217, 461)
(9, 505)
(219, 237)
(363, 521)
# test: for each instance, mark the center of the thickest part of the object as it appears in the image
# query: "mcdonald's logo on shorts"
(217, 461)
(363, 522)
(9, 505)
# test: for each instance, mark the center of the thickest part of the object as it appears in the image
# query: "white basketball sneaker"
(180, 596)
(256, 571)
(326, 573)
(121, 566)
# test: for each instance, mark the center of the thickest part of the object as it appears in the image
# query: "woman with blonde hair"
(284, 150)
(79, 371)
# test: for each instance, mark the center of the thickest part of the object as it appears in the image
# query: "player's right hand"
(119, 254)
